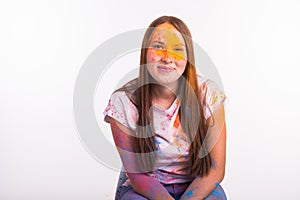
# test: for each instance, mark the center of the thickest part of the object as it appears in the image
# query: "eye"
(179, 49)
(158, 46)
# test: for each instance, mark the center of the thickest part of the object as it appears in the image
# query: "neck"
(164, 94)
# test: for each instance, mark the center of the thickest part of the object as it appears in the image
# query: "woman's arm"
(141, 183)
(203, 186)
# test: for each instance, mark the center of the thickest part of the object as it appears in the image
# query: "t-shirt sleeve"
(121, 109)
(215, 97)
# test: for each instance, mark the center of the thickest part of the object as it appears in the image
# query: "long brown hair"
(191, 111)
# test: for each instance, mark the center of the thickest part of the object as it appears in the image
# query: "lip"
(165, 68)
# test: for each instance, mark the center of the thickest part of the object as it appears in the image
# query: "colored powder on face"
(170, 54)
(171, 36)
(172, 39)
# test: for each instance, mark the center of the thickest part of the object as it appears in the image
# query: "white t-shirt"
(170, 140)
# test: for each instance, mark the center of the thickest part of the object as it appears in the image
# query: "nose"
(166, 57)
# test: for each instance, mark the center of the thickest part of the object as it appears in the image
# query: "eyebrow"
(160, 42)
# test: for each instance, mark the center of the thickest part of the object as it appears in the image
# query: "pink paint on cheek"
(152, 56)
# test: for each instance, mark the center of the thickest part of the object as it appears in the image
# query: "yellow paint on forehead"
(172, 38)
(166, 26)
(169, 33)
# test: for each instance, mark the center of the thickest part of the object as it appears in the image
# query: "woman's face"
(166, 55)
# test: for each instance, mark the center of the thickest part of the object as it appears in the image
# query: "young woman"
(169, 123)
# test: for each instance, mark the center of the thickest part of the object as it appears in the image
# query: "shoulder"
(206, 82)
(210, 93)
(120, 101)
(119, 96)
(121, 109)
(208, 85)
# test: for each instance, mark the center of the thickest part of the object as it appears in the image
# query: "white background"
(254, 45)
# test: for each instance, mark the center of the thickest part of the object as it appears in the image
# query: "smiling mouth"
(165, 68)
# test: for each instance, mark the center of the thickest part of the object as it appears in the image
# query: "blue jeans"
(175, 190)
